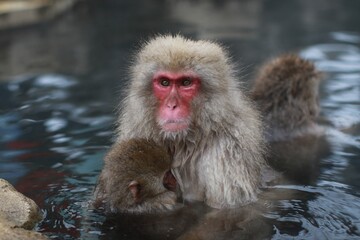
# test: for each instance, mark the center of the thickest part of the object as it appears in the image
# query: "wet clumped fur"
(132, 179)
(218, 159)
(286, 91)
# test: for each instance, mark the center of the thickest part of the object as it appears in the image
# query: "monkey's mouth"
(174, 125)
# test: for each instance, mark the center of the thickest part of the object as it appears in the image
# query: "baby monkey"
(136, 178)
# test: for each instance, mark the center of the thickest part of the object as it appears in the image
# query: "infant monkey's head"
(136, 178)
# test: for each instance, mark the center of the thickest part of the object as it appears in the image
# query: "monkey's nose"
(172, 104)
(172, 107)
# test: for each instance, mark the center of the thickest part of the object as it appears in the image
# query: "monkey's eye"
(186, 81)
(164, 82)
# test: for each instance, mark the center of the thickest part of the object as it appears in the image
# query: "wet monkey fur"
(184, 95)
(286, 91)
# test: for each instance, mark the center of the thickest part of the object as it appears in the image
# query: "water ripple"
(351, 37)
(335, 57)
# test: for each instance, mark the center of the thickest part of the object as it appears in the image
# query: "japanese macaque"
(136, 178)
(185, 96)
(286, 91)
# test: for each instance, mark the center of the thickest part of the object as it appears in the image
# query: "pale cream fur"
(219, 159)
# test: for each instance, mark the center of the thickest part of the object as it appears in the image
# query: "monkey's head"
(177, 79)
(286, 90)
(137, 178)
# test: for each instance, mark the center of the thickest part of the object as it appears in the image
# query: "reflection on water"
(52, 147)
(55, 129)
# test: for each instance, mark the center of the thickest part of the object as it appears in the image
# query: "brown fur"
(220, 157)
(286, 91)
(135, 160)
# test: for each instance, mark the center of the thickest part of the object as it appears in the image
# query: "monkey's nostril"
(172, 106)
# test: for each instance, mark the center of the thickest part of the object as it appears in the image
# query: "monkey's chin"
(174, 126)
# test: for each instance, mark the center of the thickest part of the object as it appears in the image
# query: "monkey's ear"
(135, 189)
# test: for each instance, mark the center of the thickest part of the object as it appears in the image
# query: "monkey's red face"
(174, 92)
